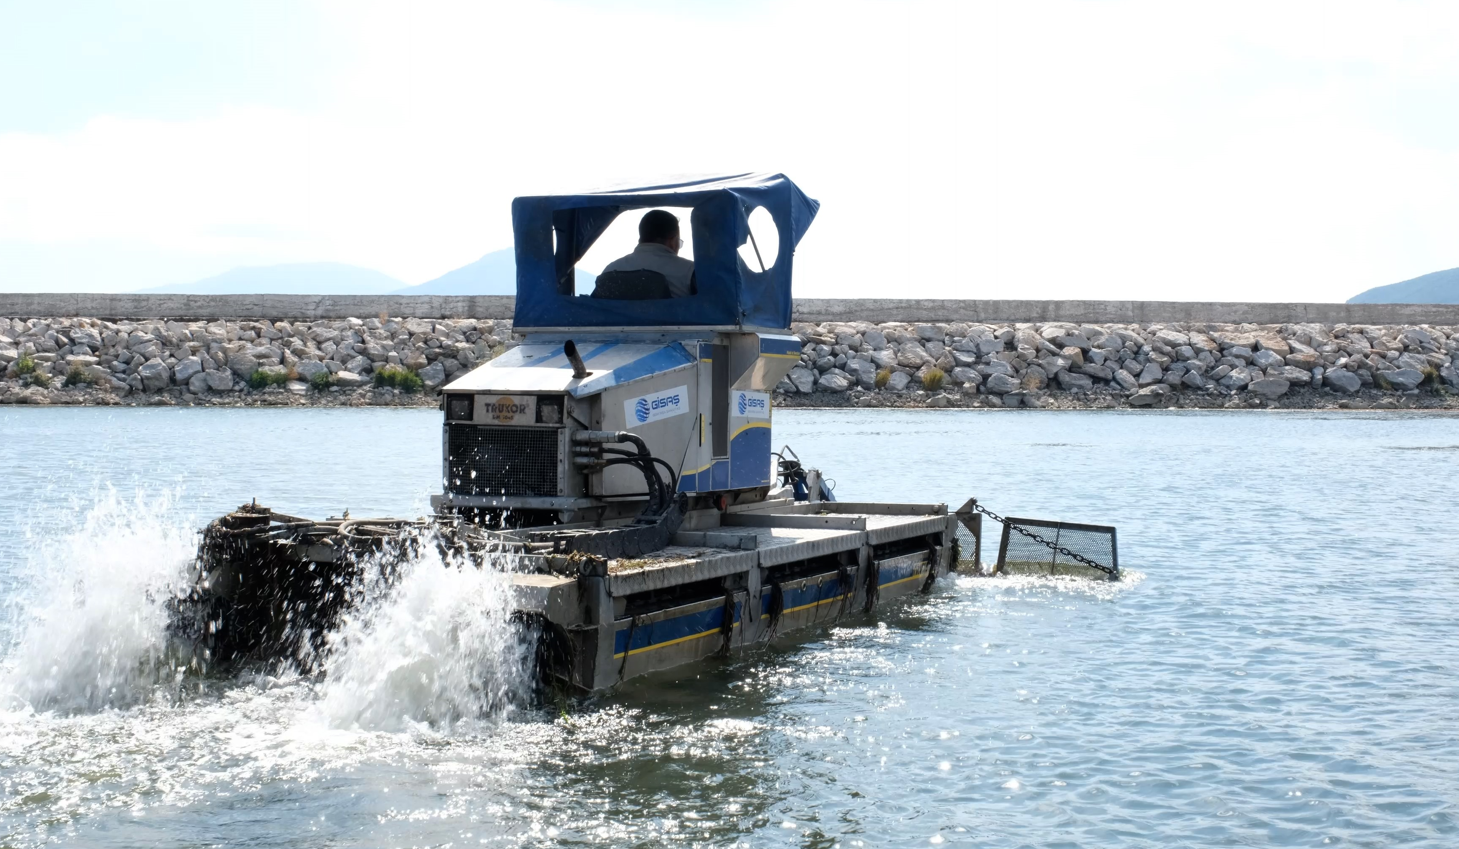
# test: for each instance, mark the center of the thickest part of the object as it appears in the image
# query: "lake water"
(1279, 668)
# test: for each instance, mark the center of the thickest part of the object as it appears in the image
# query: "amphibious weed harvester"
(619, 464)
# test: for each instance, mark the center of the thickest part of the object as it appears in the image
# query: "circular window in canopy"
(762, 248)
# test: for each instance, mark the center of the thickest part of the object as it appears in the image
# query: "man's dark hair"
(657, 225)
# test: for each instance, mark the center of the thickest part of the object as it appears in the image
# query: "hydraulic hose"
(657, 498)
(673, 476)
(660, 497)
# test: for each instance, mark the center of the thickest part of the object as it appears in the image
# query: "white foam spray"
(91, 622)
(435, 648)
(432, 648)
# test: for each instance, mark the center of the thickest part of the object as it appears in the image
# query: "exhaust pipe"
(579, 368)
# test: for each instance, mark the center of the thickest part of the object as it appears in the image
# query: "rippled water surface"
(1279, 668)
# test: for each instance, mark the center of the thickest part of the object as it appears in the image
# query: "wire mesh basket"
(1021, 555)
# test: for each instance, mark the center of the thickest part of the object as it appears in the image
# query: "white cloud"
(1060, 150)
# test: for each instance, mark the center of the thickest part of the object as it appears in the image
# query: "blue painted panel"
(889, 575)
(750, 458)
(782, 345)
(670, 630)
(695, 482)
(809, 594)
(719, 475)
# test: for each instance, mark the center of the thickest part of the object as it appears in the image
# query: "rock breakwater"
(1066, 364)
(350, 361)
(400, 361)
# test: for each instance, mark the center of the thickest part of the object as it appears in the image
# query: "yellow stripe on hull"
(667, 643)
(808, 606)
(904, 580)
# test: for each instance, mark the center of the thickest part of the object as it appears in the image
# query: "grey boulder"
(1295, 376)
(835, 382)
(1404, 378)
(1150, 395)
(309, 369)
(884, 358)
(155, 375)
(186, 370)
(1265, 359)
(1172, 338)
(1237, 378)
(242, 365)
(1001, 384)
(1342, 380)
(1269, 387)
(1075, 382)
(803, 378)
(863, 372)
(349, 379)
(220, 380)
(966, 376)
(433, 375)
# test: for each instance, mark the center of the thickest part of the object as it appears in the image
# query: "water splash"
(434, 648)
(91, 623)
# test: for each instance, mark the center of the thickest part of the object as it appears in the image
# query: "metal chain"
(1036, 538)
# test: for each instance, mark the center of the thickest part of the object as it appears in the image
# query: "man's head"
(660, 227)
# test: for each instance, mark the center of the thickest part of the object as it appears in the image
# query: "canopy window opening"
(642, 271)
(621, 238)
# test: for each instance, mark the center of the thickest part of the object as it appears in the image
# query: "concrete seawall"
(115, 307)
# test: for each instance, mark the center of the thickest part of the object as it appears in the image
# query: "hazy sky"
(1187, 151)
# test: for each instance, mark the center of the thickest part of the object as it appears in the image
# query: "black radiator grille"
(501, 460)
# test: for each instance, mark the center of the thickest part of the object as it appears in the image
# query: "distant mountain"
(300, 278)
(1440, 287)
(493, 274)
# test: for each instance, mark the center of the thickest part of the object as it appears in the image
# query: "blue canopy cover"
(730, 293)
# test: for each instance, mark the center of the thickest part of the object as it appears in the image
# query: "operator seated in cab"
(654, 269)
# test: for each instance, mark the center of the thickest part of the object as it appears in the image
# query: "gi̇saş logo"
(755, 405)
(655, 406)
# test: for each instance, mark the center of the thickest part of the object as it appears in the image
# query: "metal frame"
(1058, 526)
